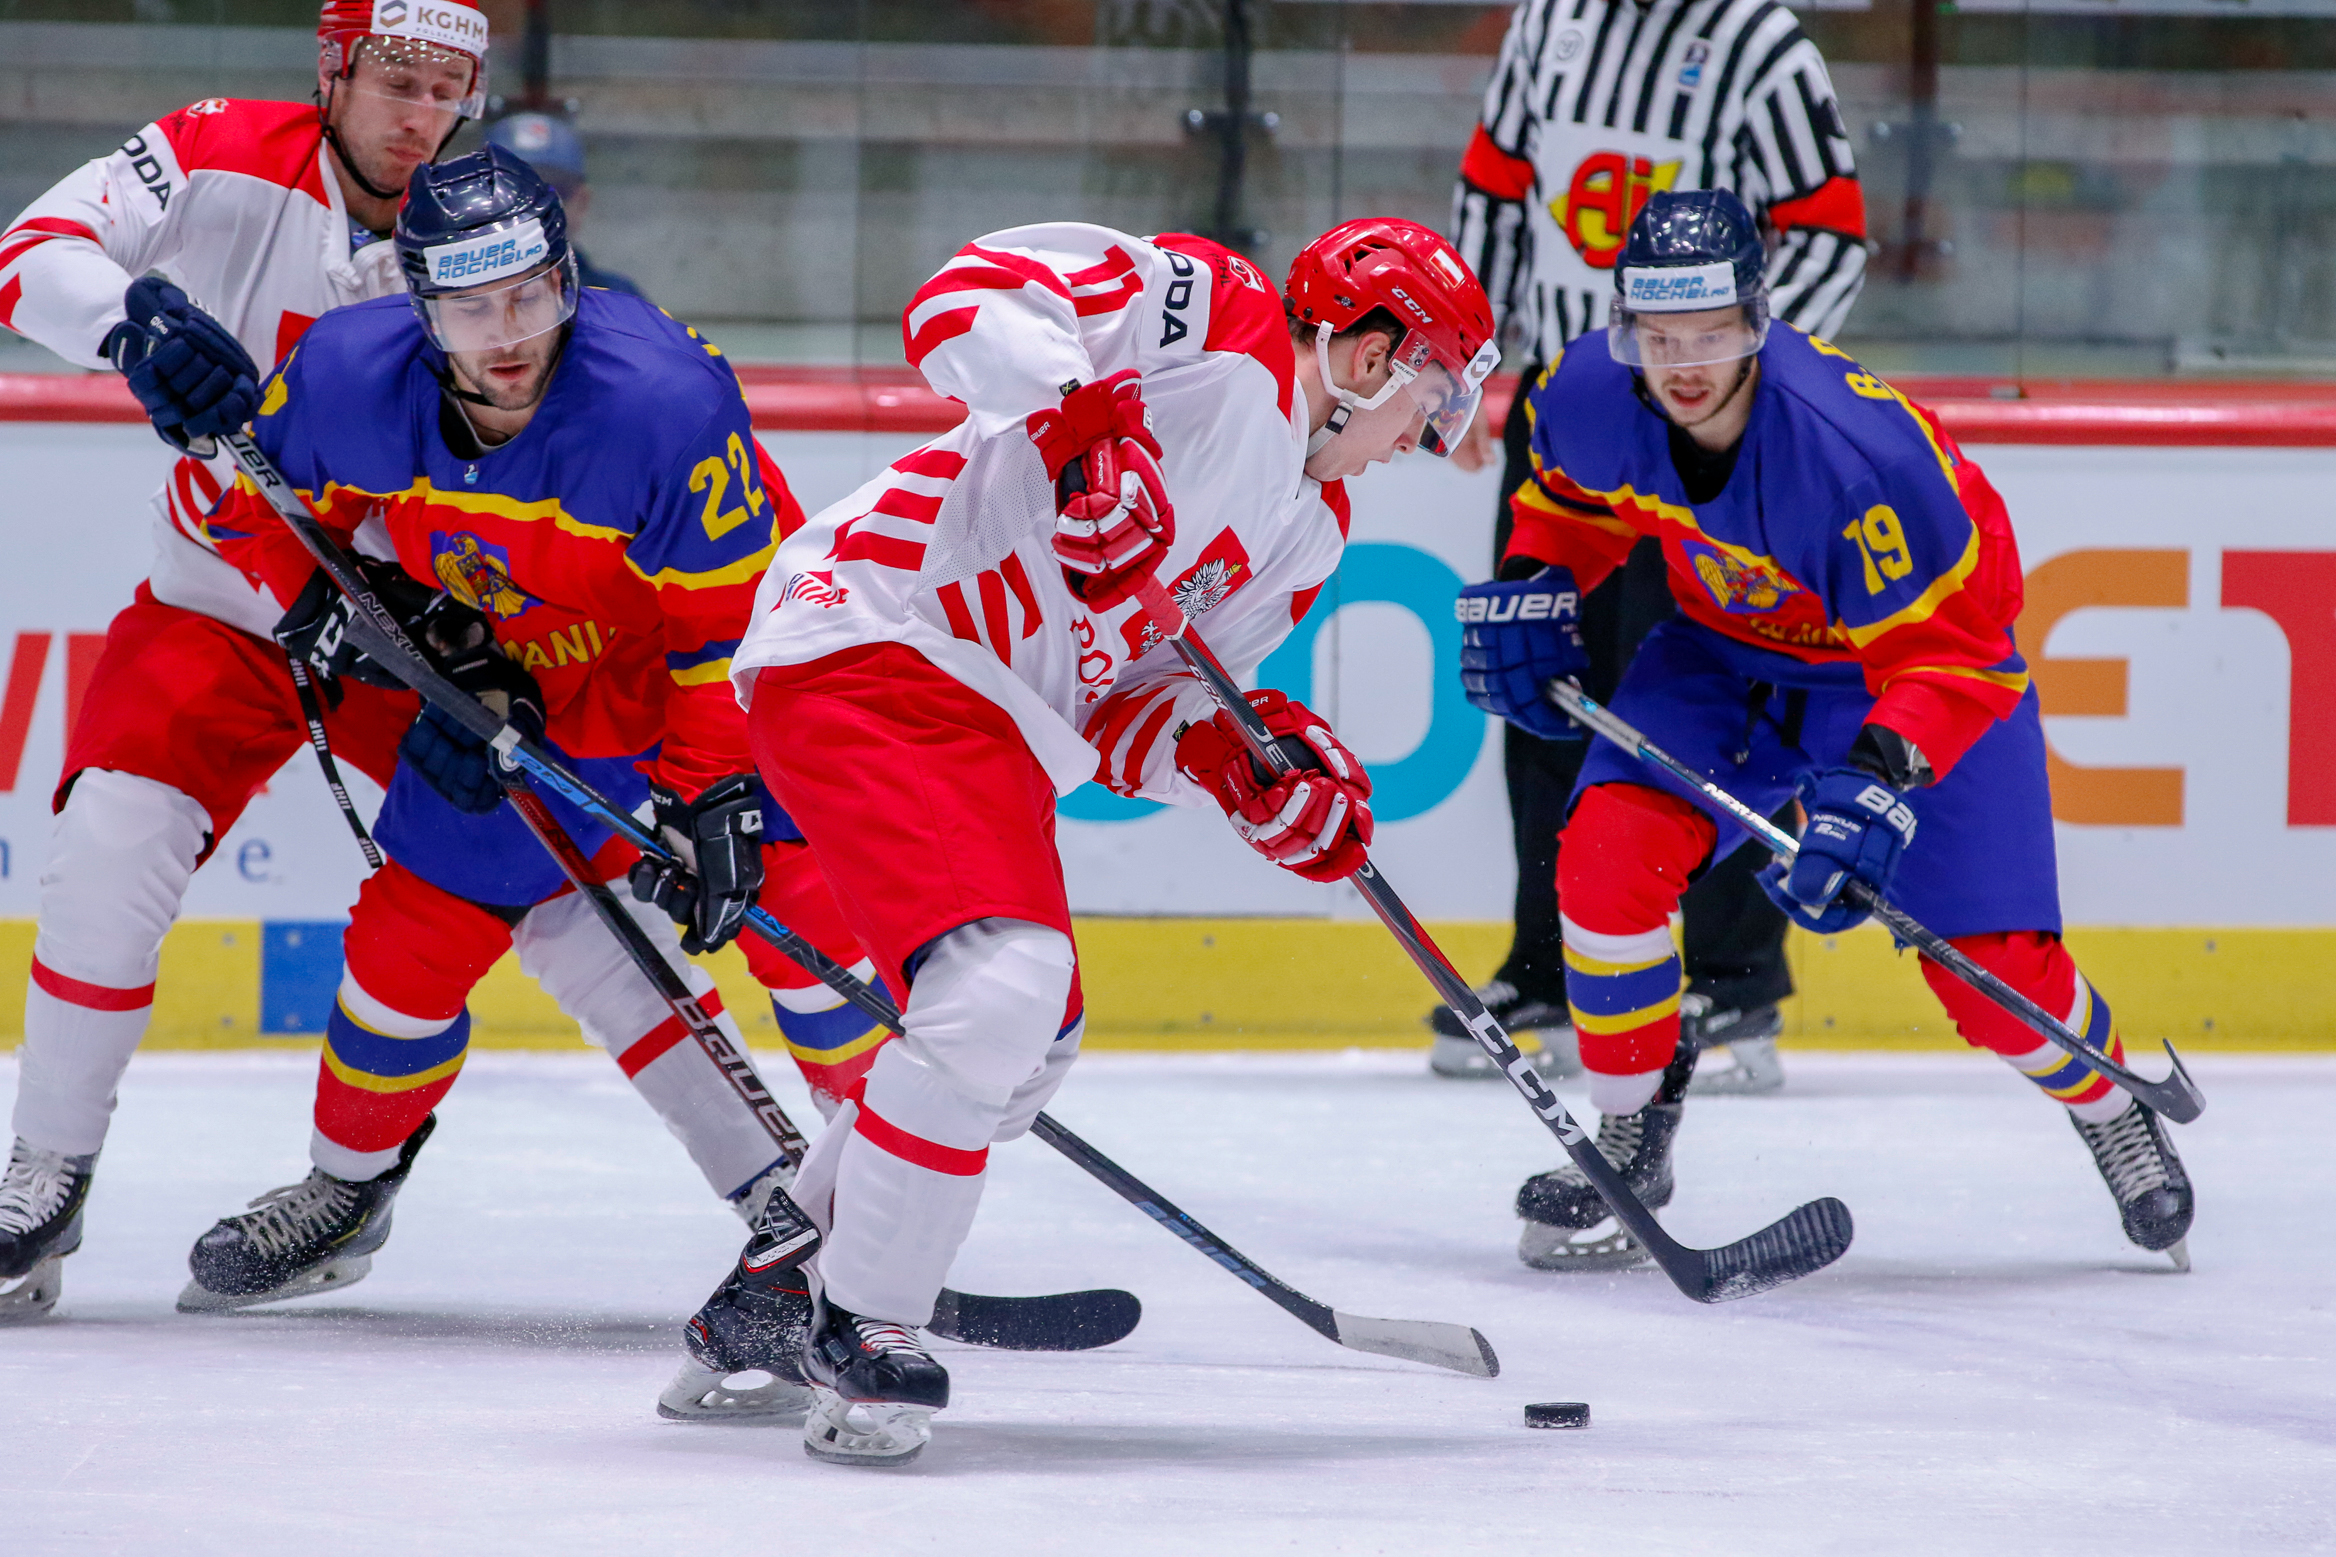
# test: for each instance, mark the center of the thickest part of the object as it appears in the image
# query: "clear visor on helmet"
(1648, 338)
(415, 74)
(492, 317)
(1445, 393)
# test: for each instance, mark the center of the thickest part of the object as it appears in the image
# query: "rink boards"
(2173, 592)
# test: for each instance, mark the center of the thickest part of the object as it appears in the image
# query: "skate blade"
(2179, 1253)
(1580, 1248)
(32, 1295)
(702, 1394)
(346, 1271)
(877, 1435)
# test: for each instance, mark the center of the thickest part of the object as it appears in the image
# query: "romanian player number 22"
(712, 477)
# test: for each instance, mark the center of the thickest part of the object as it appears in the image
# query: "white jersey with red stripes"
(948, 550)
(236, 204)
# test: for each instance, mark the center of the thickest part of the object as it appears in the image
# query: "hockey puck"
(1557, 1413)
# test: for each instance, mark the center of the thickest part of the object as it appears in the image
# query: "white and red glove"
(1315, 821)
(1113, 522)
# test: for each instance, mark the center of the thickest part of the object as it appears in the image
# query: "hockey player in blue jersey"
(577, 516)
(1847, 583)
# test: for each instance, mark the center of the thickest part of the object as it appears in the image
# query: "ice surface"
(1991, 1369)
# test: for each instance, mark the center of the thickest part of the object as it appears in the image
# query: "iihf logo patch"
(477, 574)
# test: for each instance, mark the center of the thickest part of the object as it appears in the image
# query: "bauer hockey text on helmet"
(1690, 287)
(483, 241)
(1447, 349)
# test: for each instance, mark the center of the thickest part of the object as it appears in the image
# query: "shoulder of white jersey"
(1216, 301)
(273, 143)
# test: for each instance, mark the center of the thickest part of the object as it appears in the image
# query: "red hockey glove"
(1113, 522)
(1316, 821)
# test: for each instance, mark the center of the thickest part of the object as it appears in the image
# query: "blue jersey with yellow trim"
(1851, 529)
(616, 542)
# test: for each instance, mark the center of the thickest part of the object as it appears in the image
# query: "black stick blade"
(1052, 1322)
(1807, 1241)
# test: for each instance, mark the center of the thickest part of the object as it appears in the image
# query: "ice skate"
(745, 1345)
(313, 1236)
(1567, 1225)
(41, 1199)
(875, 1389)
(2137, 1162)
(1543, 1032)
(1749, 1038)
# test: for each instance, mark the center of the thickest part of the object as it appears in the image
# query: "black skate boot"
(876, 1389)
(1567, 1225)
(2138, 1164)
(1542, 1030)
(745, 1345)
(307, 1237)
(1749, 1036)
(40, 1223)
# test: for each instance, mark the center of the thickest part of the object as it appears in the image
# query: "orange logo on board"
(1608, 190)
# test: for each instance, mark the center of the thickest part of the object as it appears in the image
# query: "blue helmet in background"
(546, 143)
(483, 242)
(1689, 252)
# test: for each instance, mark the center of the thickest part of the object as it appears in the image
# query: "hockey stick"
(1067, 1321)
(1457, 1347)
(2177, 1097)
(375, 631)
(1806, 1240)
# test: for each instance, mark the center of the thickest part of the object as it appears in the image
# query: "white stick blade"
(1456, 1347)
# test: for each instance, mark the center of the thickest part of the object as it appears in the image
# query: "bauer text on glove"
(193, 377)
(1315, 821)
(1858, 828)
(1113, 522)
(1515, 639)
(717, 867)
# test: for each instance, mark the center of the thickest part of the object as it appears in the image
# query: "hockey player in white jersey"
(940, 655)
(263, 216)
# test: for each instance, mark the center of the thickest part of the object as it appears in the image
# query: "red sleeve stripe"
(1116, 274)
(960, 618)
(900, 503)
(992, 589)
(1028, 269)
(1118, 712)
(930, 462)
(886, 1136)
(1494, 171)
(1302, 602)
(1132, 769)
(885, 550)
(1019, 582)
(935, 332)
(1837, 205)
(40, 229)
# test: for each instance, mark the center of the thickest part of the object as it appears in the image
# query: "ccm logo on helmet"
(455, 26)
(495, 254)
(1405, 299)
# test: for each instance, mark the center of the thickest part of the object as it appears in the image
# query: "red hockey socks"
(397, 1034)
(1622, 863)
(2035, 963)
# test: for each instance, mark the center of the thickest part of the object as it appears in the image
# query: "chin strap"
(1348, 401)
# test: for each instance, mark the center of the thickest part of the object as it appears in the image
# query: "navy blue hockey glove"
(1858, 827)
(1515, 639)
(193, 377)
(719, 838)
(450, 759)
(315, 631)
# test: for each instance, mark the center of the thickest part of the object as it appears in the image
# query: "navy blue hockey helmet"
(1689, 252)
(483, 241)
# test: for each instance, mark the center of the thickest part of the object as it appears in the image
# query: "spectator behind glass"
(552, 147)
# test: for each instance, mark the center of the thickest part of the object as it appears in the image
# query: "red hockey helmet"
(412, 31)
(1448, 350)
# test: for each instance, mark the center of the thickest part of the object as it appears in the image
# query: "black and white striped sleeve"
(1496, 172)
(1795, 167)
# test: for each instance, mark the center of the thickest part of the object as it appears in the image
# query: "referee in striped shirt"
(1593, 106)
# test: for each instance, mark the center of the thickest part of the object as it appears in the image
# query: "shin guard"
(1623, 861)
(2036, 964)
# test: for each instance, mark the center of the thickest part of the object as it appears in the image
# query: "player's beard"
(477, 371)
